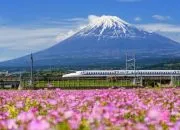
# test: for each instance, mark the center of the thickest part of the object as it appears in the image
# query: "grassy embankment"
(81, 83)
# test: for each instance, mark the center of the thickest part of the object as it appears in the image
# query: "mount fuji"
(105, 38)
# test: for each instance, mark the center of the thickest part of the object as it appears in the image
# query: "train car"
(123, 73)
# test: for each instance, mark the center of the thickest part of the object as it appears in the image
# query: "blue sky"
(30, 26)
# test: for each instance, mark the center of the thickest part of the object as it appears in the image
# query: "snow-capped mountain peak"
(110, 27)
(108, 22)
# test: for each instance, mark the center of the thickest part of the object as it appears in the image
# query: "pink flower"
(11, 124)
(2, 124)
(158, 115)
(25, 116)
(177, 126)
(38, 125)
(68, 114)
(140, 126)
(19, 105)
(52, 102)
(165, 115)
(154, 114)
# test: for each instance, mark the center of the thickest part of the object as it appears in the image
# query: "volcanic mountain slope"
(106, 37)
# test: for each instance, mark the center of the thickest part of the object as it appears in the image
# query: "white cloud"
(14, 37)
(82, 22)
(172, 35)
(20, 40)
(169, 30)
(62, 36)
(78, 19)
(161, 18)
(137, 19)
(92, 18)
(160, 27)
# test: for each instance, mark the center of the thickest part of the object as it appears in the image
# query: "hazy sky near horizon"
(33, 25)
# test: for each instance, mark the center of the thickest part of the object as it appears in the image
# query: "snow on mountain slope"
(111, 27)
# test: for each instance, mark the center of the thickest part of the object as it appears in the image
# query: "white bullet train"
(123, 73)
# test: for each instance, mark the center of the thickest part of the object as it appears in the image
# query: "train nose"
(66, 76)
(70, 75)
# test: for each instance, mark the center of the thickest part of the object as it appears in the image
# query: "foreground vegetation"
(137, 109)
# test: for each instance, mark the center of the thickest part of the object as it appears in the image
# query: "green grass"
(177, 83)
(83, 83)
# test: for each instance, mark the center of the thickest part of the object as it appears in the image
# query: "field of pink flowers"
(120, 109)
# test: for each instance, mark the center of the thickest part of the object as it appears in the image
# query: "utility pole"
(32, 69)
(131, 64)
(20, 81)
(126, 61)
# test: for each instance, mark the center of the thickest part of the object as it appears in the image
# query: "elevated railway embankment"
(93, 79)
